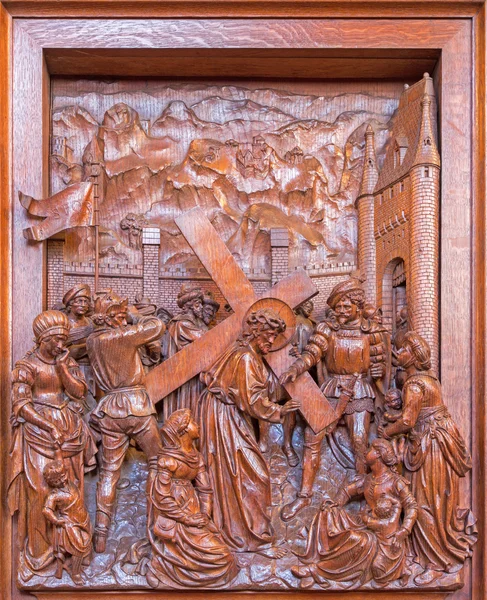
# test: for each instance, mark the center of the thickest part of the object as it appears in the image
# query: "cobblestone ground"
(256, 572)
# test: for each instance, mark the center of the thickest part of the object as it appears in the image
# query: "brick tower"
(424, 234)
(404, 210)
(366, 253)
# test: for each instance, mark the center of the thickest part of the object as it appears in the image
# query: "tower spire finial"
(370, 173)
(426, 151)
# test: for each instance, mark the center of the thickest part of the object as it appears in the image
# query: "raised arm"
(147, 329)
(71, 377)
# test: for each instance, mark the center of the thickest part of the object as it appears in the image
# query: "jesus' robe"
(239, 388)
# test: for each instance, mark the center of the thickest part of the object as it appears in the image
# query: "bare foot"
(291, 510)
(273, 552)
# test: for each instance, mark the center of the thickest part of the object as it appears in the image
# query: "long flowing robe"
(38, 384)
(437, 456)
(185, 555)
(237, 391)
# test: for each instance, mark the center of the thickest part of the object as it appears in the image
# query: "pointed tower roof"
(409, 125)
(426, 150)
(370, 173)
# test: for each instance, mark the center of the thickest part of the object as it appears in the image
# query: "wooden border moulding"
(397, 39)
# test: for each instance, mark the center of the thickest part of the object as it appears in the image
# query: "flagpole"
(96, 172)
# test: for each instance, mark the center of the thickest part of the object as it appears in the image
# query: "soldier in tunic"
(304, 328)
(351, 350)
(125, 412)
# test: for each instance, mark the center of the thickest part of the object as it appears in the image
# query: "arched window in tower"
(397, 156)
(393, 292)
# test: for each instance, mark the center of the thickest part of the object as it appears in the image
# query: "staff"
(95, 172)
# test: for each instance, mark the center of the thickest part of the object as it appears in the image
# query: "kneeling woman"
(345, 548)
(187, 548)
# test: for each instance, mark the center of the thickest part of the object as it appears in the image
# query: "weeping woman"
(48, 388)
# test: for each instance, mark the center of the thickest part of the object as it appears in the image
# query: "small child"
(384, 518)
(65, 509)
(393, 411)
(385, 522)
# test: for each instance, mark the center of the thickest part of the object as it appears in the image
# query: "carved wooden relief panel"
(235, 385)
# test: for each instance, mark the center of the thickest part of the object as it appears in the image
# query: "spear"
(95, 172)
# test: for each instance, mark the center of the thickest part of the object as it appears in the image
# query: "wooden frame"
(321, 39)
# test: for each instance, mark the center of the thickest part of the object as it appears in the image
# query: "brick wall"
(279, 254)
(150, 281)
(55, 272)
(133, 281)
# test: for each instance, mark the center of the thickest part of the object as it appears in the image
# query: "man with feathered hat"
(184, 328)
(125, 412)
(352, 353)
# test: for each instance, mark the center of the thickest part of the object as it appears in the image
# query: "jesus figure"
(240, 387)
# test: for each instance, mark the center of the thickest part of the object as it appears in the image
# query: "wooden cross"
(239, 293)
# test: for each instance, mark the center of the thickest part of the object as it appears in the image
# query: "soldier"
(352, 351)
(125, 412)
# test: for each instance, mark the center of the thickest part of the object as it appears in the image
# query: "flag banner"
(72, 207)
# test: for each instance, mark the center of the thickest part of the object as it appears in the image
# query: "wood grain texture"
(5, 288)
(479, 337)
(454, 59)
(237, 289)
(455, 217)
(295, 595)
(29, 131)
(241, 8)
(234, 33)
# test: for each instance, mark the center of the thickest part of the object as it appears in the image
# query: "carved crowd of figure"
(79, 400)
